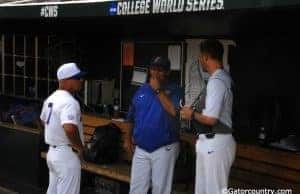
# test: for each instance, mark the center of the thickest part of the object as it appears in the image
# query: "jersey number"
(50, 106)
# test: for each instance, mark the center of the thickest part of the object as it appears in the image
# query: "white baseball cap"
(69, 70)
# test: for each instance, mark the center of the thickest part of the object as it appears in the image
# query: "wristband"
(157, 91)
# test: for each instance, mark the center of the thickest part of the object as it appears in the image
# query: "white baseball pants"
(156, 168)
(214, 158)
(64, 171)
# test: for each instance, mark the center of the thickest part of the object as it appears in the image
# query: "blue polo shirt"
(153, 126)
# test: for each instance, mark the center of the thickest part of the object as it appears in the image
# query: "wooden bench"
(119, 171)
(254, 166)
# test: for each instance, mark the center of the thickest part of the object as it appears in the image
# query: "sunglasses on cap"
(79, 76)
(76, 78)
(158, 68)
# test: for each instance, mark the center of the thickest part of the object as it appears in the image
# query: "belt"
(55, 146)
(207, 135)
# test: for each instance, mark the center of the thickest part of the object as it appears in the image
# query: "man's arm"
(73, 135)
(164, 99)
(167, 103)
(188, 113)
(128, 125)
(206, 120)
(128, 140)
(70, 120)
(213, 105)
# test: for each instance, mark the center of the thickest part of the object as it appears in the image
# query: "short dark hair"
(213, 48)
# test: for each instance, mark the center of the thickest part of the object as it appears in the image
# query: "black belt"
(207, 135)
(210, 135)
(55, 146)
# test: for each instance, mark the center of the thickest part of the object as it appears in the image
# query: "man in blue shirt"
(153, 113)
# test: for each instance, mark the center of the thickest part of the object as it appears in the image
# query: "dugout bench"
(254, 166)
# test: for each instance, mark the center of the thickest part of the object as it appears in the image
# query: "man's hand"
(79, 152)
(81, 155)
(186, 113)
(74, 137)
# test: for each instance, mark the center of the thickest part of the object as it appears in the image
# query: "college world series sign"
(143, 7)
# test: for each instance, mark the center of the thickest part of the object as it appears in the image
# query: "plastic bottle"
(262, 135)
(116, 108)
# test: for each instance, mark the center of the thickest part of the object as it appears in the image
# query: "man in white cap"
(61, 117)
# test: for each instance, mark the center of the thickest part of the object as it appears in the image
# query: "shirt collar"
(218, 71)
(64, 92)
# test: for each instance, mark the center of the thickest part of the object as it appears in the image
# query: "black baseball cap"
(162, 62)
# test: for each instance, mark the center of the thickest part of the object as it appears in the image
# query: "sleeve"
(176, 96)
(214, 98)
(131, 110)
(130, 114)
(70, 114)
(43, 113)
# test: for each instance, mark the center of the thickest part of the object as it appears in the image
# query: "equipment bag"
(105, 145)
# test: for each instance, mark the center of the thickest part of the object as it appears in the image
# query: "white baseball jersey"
(60, 108)
(218, 101)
